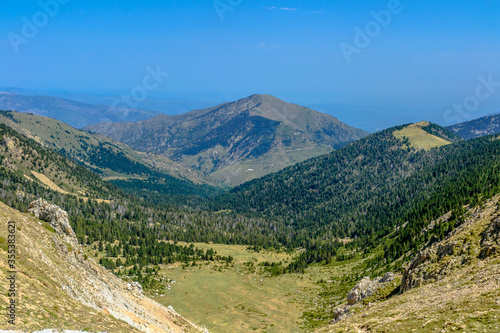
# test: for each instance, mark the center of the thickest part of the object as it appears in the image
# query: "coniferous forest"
(362, 192)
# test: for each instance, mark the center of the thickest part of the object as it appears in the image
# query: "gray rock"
(366, 287)
(340, 313)
(388, 277)
(490, 239)
(135, 286)
(438, 259)
(52, 214)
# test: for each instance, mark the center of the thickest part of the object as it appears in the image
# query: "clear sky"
(412, 65)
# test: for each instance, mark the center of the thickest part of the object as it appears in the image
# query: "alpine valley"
(253, 215)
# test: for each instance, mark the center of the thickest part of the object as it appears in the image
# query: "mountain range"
(477, 127)
(227, 144)
(73, 113)
(417, 200)
(237, 141)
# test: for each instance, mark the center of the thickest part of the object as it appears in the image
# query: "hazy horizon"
(372, 64)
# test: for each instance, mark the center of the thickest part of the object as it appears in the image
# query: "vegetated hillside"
(125, 231)
(116, 162)
(336, 194)
(73, 113)
(477, 127)
(99, 212)
(60, 287)
(452, 284)
(29, 163)
(425, 135)
(365, 189)
(431, 244)
(238, 141)
(441, 132)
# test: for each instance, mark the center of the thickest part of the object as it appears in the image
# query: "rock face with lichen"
(52, 214)
(363, 289)
(367, 287)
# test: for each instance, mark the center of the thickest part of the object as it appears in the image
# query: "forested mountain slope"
(349, 192)
(477, 127)
(368, 187)
(135, 171)
(451, 284)
(101, 212)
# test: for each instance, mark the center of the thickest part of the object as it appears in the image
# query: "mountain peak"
(264, 97)
(237, 141)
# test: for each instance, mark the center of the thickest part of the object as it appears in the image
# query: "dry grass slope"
(465, 297)
(419, 138)
(57, 135)
(60, 287)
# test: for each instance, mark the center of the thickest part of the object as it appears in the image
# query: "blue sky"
(427, 57)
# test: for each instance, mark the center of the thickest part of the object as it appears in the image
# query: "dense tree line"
(124, 217)
(105, 157)
(472, 184)
(363, 191)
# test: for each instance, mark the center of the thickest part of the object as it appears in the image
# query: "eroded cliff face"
(61, 288)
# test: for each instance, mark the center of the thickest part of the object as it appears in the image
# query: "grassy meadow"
(242, 297)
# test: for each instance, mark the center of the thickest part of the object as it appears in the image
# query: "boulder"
(54, 215)
(363, 289)
(366, 287)
(135, 286)
(340, 313)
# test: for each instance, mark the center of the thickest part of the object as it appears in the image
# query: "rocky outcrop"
(366, 287)
(81, 279)
(490, 239)
(135, 286)
(363, 289)
(52, 214)
(463, 245)
(341, 313)
(419, 269)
